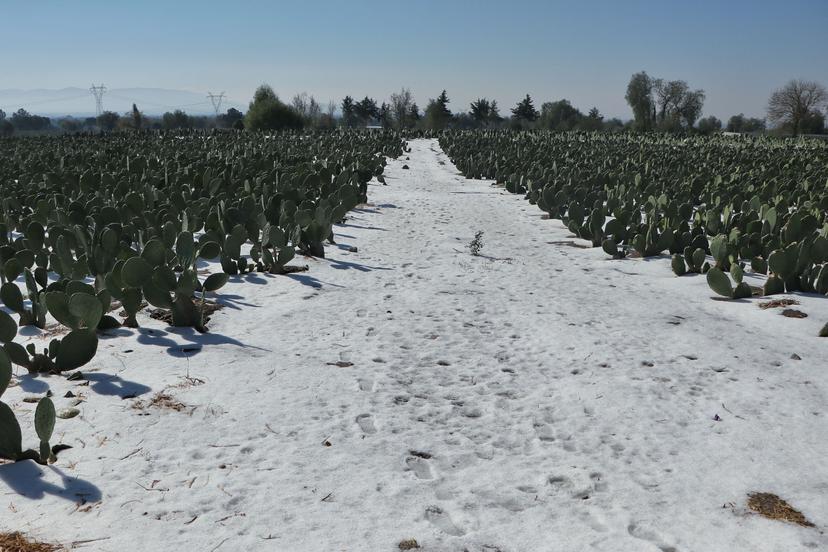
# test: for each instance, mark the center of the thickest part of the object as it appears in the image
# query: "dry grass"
(161, 400)
(776, 303)
(17, 542)
(772, 507)
(408, 544)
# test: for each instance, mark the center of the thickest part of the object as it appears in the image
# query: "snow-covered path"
(536, 397)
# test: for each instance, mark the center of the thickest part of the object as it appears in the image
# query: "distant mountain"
(79, 102)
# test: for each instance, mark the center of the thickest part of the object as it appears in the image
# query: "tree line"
(796, 108)
(657, 105)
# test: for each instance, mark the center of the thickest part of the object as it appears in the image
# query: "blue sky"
(738, 51)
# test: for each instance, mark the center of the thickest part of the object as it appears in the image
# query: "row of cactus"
(758, 204)
(93, 224)
(91, 217)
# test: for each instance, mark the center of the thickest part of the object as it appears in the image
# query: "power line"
(39, 102)
(156, 104)
(98, 92)
(216, 100)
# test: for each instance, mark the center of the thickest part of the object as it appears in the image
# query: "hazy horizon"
(738, 52)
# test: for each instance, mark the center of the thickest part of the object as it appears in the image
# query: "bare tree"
(401, 107)
(795, 101)
(314, 109)
(300, 103)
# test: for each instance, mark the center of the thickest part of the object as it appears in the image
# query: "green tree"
(709, 125)
(69, 124)
(268, 112)
(813, 123)
(740, 123)
(349, 118)
(691, 106)
(23, 120)
(137, 118)
(560, 115)
(229, 119)
(480, 109)
(593, 121)
(107, 120)
(640, 98)
(366, 110)
(525, 110)
(413, 114)
(437, 113)
(494, 114)
(176, 119)
(384, 116)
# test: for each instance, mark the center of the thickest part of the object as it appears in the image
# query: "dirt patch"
(772, 507)
(793, 313)
(162, 400)
(17, 542)
(570, 243)
(776, 303)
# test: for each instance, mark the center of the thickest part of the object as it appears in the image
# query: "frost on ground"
(535, 396)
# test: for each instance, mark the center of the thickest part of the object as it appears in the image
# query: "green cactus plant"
(678, 265)
(13, 299)
(720, 283)
(11, 437)
(44, 426)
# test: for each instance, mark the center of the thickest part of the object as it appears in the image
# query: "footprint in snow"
(648, 534)
(366, 384)
(366, 423)
(420, 467)
(442, 521)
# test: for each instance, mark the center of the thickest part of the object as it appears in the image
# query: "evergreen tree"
(137, 118)
(442, 103)
(494, 113)
(525, 110)
(437, 114)
(348, 113)
(366, 110)
(480, 110)
(593, 121)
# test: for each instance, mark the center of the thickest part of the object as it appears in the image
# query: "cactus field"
(373, 340)
(752, 204)
(94, 224)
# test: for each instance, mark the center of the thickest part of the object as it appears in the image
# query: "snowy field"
(538, 397)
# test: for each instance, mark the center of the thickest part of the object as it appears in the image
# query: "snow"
(536, 397)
